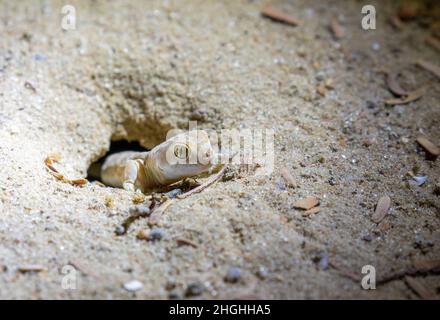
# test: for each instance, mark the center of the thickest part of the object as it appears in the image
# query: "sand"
(133, 70)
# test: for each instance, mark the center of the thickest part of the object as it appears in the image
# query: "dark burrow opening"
(93, 173)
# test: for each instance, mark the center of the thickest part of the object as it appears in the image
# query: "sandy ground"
(135, 69)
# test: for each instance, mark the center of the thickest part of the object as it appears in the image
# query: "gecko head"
(184, 155)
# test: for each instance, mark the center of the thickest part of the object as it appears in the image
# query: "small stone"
(281, 185)
(194, 289)
(367, 143)
(142, 235)
(419, 180)
(174, 295)
(383, 205)
(419, 240)
(436, 190)
(138, 198)
(233, 275)
(375, 46)
(332, 181)
(371, 104)
(119, 230)
(156, 234)
(197, 115)
(262, 272)
(133, 285)
(306, 203)
(323, 260)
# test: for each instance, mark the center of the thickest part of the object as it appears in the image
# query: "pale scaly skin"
(182, 156)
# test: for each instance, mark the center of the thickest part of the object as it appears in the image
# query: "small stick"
(156, 214)
(185, 242)
(203, 186)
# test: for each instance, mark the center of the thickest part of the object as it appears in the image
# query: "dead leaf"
(419, 288)
(276, 14)
(394, 86)
(430, 147)
(306, 203)
(410, 97)
(311, 211)
(31, 268)
(288, 178)
(320, 89)
(424, 265)
(428, 66)
(49, 162)
(382, 207)
(433, 42)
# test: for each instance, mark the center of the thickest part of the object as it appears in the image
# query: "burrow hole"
(93, 173)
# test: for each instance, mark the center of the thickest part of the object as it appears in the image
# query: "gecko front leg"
(130, 175)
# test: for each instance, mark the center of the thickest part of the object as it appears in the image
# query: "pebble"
(119, 230)
(280, 185)
(367, 237)
(375, 46)
(332, 181)
(173, 295)
(233, 275)
(141, 209)
(262, 272)
(323, 260)
(419, 180)
(194, 289)
(383, 205)
(371, 104)
(288, 178)
(437, 189)
(173, 193)
(156, 234)
(133, 285)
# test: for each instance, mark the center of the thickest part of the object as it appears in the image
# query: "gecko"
(183, 155)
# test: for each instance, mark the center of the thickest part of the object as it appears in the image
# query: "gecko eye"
(181, 151)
